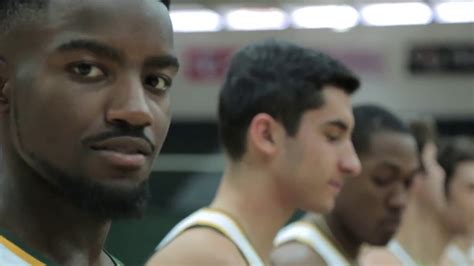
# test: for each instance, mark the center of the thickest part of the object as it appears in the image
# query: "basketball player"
(369, 207)
(84, 110)
(285, 120)
(425, 229)
(457, 159)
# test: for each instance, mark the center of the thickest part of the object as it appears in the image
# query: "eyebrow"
(338, 123)
(113, 54)
(393, 167)
(94, 47)
(162, 61)
(396, 168)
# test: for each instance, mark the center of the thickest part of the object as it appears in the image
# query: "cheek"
(162, 119)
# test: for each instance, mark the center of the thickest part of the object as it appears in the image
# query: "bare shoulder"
(198, 246)
(295, 253)
(374, 256)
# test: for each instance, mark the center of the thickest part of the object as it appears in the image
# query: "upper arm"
(198, 246)
(295, 254)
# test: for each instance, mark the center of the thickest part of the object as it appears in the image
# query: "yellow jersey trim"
(20, 252)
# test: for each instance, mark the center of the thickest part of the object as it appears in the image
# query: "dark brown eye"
(87, 70)
(157, 82)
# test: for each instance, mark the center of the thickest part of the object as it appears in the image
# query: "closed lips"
(124, 145)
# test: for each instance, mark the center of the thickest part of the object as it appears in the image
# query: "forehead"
(337, 106)
(97, 13)
(143, 24)
(397, 149)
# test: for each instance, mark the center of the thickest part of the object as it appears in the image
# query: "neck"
(342, 236)
(431, 232)
(251, 196)
(47, 222)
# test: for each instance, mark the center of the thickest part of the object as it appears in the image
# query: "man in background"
(425, 230)
(457, 159)
(369, 207)
(285, 121)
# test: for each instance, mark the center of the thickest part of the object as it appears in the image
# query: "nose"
(350, 163)
(128, 105)
(398, 197)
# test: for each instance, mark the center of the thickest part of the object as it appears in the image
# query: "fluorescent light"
(455, 12)
(195, 20)
(256, 19)
(332, 16)
(390, 14)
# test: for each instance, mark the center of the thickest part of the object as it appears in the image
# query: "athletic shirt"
(458, 257)
(13, 252)
(401, 254)
(223, 224)
(310, 235)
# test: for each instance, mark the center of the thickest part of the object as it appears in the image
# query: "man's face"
(90, 99)
(371, 205)
(461, 198)
(317, 159)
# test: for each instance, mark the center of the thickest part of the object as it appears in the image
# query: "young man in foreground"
(84, 111)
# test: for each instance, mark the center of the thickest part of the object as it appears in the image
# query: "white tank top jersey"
(458, 257)
(310, 235)
(401, 254)
(220, 222)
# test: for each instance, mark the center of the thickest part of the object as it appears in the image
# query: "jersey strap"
(220, 222)
(11, 254)
(310, 235)
(401, 254)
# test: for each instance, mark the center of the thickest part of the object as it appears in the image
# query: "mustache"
(116, 133)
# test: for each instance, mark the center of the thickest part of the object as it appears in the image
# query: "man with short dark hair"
(424, 231)
(285, 120)
(84, 110)
(457, 159)
(369, 207)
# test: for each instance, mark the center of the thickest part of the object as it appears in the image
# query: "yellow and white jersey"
(12, 254)
(223, 224)
(310, 235)
(15, 253)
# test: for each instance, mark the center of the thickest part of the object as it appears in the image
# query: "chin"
(324, 208)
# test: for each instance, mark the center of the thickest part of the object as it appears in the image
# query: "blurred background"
(413, 57)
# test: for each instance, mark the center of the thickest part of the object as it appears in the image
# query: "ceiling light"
(256, 19)
(195, 20)
(390, 14)
(332, 16)
(455, 12)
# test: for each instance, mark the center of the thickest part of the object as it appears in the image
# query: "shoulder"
(378, 256)
(295, 253)
(198, 246)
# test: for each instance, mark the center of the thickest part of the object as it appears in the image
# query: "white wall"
(391, 85)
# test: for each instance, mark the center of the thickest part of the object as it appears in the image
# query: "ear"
(263, 134)
(417, 183)
(4, 88)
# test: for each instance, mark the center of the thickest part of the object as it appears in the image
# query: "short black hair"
(453, 152)
(371, 119)
(278, 78)
(13, 9)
